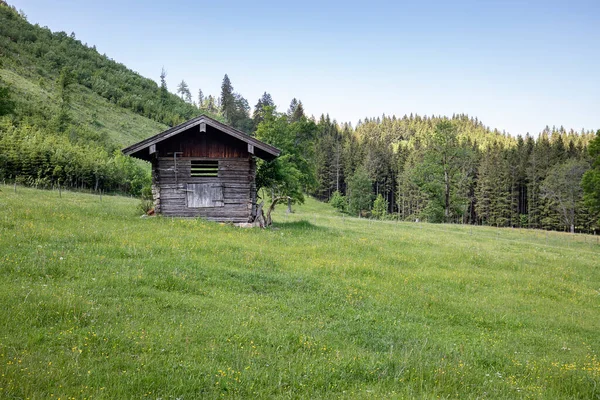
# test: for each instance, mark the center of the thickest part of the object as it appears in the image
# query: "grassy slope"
(122, 126)
(101, 303)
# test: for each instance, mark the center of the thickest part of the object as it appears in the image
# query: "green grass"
(100, 303)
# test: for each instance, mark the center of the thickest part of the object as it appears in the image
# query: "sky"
(516, 65)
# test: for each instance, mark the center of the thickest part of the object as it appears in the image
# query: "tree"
(380, 206)
(227, 98)
(258, 115)
(298, 113)
(292, 109)
(284, 175)
(64, 84)
(443, 168)
(539, 164)
(411, 199)
(327, 156)
(492, 190)
(591, 179)
(360, 192)
(211, 106)
(200, 98)
(239, 115)
(338, 201)
(184, 91)
(562, 187)
(164, 93)
(7, 105)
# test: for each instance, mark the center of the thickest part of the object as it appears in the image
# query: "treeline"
(455, 170)
(31, 157)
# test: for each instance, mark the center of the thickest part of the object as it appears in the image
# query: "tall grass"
(100, 303)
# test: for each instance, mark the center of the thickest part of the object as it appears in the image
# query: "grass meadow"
(100, 303)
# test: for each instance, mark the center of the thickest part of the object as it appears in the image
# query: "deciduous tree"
(562, 187)
(591, 179)
(360, 192)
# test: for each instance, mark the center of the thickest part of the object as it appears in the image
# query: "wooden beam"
(152, 148)
(202, 126)
(250, 148)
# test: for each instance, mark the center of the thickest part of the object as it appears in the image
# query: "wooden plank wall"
(155, 184)
(236, 175)
(210, 144)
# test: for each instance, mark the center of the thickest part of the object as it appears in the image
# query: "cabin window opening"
(204, 168)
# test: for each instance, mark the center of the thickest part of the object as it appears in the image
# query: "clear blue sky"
(516, 65)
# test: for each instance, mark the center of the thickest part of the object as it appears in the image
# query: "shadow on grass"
(302, 225)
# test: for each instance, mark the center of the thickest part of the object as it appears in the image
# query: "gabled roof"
(261, 149)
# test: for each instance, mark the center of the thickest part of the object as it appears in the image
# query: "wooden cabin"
(203, 168)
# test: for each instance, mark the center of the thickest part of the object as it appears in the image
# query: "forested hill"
(37, 54)
(66, 110)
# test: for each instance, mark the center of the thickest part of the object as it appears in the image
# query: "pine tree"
(324, 146)
(536, 173)
(227, 99)
(492, 191)
(259, 109)
(164, 93)
(240, 115)
(292, 109)
(298, 113)
(200, 98)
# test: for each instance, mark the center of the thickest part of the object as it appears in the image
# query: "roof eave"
(266, 148)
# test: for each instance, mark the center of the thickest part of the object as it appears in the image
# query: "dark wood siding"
(209, 144)
(235, 177)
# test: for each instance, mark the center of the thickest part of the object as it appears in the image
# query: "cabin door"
(204, 195)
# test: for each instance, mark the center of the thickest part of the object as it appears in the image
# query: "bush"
(338, 201)
(145, 205)
(380, 207)
(524, 220)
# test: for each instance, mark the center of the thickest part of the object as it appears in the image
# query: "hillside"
(74, 109)
(39, 55)
(99, 303)
(111, 125)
